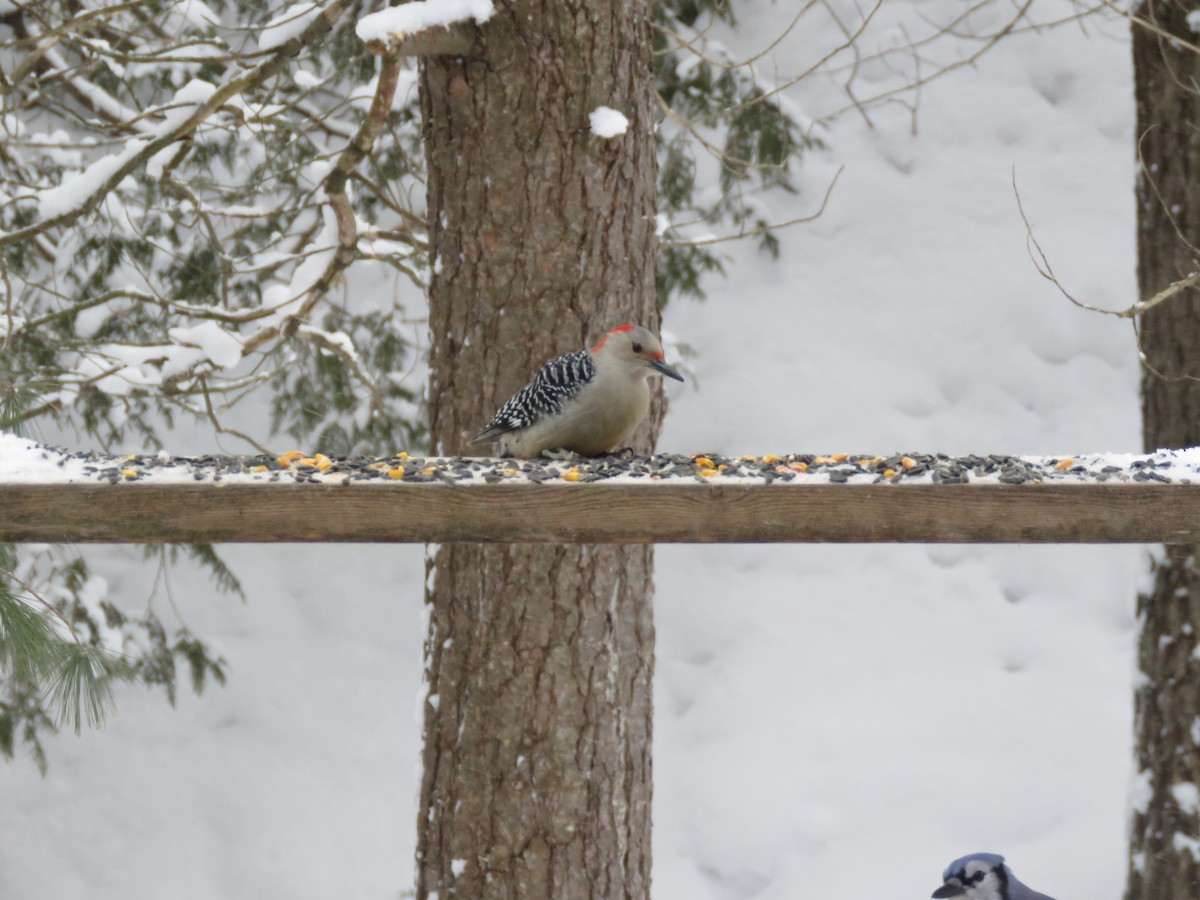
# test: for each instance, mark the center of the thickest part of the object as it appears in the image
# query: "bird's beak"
(948, 890)
(659, 366)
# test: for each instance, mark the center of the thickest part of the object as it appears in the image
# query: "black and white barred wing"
(559, 381)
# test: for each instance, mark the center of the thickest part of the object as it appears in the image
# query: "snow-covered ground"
(832, 721)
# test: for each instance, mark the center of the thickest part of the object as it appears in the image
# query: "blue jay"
(984, 876)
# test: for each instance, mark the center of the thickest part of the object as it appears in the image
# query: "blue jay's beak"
(659, 366)
(948, 890)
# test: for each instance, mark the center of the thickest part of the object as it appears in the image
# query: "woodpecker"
(586, 402)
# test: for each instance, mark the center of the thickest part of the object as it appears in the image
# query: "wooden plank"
(617, 513)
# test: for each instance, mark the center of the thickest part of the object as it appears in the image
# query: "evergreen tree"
(187, 192)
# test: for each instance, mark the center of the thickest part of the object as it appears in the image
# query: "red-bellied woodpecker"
(587, 402)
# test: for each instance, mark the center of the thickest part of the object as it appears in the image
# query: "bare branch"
(456, 39)
(1042, 263)
(763, 229)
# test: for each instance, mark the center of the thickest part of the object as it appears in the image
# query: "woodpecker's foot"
(558, 453)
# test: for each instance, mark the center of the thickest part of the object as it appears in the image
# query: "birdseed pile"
(25, 461)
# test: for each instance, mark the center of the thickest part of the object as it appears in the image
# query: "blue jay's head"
(980, 876)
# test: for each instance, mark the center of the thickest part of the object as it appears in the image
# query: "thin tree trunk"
(537, 767)
(1165, 832)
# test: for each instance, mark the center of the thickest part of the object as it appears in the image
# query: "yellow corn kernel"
(403, 454)
(322, 462)
(259, 469)
(908, 462)
(130, 473)
(571, 475)
(889, 473)
(398, 472)
(707, 473)
(770, 459)
(1063, 464)
(703, 461)
(799, 467)
(290, 457)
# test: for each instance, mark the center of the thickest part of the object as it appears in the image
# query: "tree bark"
(537, 767)
(1165, 832)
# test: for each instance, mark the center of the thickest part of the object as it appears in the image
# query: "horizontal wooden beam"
(601, 513)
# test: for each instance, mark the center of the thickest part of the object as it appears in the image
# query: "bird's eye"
(637, 348)
(977, 877)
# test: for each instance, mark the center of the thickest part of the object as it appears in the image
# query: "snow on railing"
(48, 494)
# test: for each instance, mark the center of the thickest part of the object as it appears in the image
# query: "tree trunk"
(1165, 833)
(537, 774)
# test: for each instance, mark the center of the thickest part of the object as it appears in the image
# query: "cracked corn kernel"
(704, 462)
(1064, 464)
(799, 467)
(908, 462)
(130, 473)
(570, 475)
(259, 469)
(429, 470)
(707, 473)
(770, 458)
(290, 457)
(397, 472)
(889, 473)
(403, 454)
(322, 462)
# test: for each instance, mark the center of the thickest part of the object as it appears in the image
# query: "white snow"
(283, 299)
(420, 15)
(307, 79)
(816, 706)
(288, 24)
(1187, 797)
(1187, 844)
(218, 345)
(607, 122)
(196, 13)
(77, 188)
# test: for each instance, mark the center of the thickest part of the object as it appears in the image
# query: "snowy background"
(832, 721)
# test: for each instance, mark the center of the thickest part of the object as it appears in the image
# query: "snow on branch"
(424, 27)
(181, 190)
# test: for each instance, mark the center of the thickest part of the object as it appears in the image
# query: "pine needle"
(81, 688)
